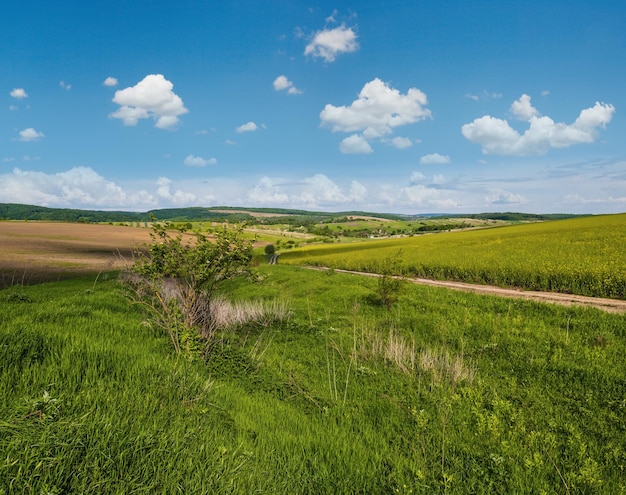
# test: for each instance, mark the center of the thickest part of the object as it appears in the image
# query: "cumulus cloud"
(434, 159)
(110, 81)
(64, 85)
(328, 43)
(401, 143)
(247, 127)
(77, 187)
(499, 197)
(19, 93)
(378, 110)
(355, 144)
(281, 83)
(30, 134)
(497, 137)
(317, 191)
(178, 197)
(522, 108)
(198, 161)
(152, 97)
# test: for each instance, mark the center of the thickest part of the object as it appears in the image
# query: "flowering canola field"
(585, 256)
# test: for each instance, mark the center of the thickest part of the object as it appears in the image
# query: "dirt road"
(609, 305)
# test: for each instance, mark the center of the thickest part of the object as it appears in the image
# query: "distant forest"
(10, 211)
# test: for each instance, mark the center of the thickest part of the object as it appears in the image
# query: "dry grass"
(398, 351)
(228, 314)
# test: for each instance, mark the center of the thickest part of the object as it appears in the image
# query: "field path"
(609, 305)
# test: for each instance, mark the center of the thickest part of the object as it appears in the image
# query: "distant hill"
(11, 211)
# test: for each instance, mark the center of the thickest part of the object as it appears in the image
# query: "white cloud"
(328, 43)
(434, 159)
(30, 134)
(19, 93)
(378, 110)
(355, 144)
(178, 197)
(282, 83)
(247, 127)
(485, 95)
(499, 197)
(268, 191)
(358, 192)
(198, 161)
(77, 187)
(545, 92)
(110, 81)
(152, 97)
(317, 191)
(401, 143)
(64, 85)
(522, 108)
(497, 137)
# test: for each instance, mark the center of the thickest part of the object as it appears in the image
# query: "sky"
(399, 106)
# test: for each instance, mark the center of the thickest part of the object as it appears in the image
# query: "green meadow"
(445, 392)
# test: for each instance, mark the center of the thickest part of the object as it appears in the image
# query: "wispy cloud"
(19, 93)
(198, 161)
(327, 44)
(30, 134)
(247, 127)
(434, 159)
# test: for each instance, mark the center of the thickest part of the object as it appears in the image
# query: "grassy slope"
(92, 401)
(585, 256)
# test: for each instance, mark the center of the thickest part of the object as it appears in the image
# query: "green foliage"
(270, 250)
(177, 278)
(389, 284)
(330, 401)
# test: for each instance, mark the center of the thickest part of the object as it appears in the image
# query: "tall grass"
(504, 396)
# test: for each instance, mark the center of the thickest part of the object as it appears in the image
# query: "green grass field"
(445, 393)
(585, 256)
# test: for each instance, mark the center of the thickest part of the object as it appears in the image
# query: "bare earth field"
(33, 252)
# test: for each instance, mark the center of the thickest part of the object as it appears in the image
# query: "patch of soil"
(33, 252)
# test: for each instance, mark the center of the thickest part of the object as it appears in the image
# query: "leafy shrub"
(176, 278)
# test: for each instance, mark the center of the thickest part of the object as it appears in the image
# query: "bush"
(177, 278)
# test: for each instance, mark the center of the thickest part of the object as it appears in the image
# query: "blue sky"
(406, 106)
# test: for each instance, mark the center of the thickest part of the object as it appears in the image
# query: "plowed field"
(32, 252)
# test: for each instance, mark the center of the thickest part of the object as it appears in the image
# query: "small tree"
(177, 277)
(270, 250)
(389, 283)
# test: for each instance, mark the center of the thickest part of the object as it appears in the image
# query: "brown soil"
(32, 252)
(605, 304)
